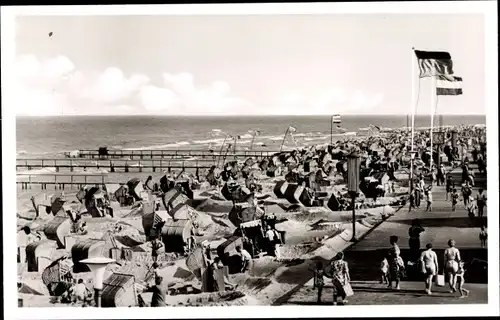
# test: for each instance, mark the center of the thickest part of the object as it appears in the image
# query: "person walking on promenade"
(450, 185)
(414, 241)
(471, 209)
(441, 174)
(418, 195)
(384, 271)
(429, 263)
(483, 236)
(341, 279)
(396, 263)
(433, 175)
(429, 199)
(481, 202)
(466, 192)
(319, 282)
(461, 280)
(454, 200)
(451, 258)
(412, 200)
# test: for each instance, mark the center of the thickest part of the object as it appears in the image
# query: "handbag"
(347, 289)
(440, 280)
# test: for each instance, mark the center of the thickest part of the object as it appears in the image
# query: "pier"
(167, 154)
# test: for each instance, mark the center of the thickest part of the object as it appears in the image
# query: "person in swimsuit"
(461, 280)
(384, 271)
(396, 264)
(429, 263)
(451, 258)
(483, 236)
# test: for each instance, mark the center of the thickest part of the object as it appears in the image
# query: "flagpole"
(221, 149)
(331, 130)
(413, 107)
(253, 138)
(433, 102)
(283, 142)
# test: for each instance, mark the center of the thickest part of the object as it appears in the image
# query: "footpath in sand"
(440, 225)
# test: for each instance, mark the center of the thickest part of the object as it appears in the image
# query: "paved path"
(373, 293)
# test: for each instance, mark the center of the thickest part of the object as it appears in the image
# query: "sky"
(242, 64)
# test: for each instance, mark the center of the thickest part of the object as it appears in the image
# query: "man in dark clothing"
(414, 241)
(156, 245)
(159, 293)
(450, 185)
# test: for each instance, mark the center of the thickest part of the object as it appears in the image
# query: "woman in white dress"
(429, 262)
(451, 258)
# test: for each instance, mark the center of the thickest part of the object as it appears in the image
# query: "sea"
(50, 136)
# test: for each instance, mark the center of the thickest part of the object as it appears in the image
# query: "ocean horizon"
(55, 134)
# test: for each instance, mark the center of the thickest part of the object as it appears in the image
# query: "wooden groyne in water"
(103, 153)
(115, 165)
(61, 180)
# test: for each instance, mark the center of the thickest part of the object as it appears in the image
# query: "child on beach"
(483, 236)
(461, 280)
(318, 279)
(429, 200)
(454, 200)
(384, 271)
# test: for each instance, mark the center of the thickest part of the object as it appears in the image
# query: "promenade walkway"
(440, 225)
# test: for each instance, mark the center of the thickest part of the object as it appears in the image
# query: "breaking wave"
(161, 146)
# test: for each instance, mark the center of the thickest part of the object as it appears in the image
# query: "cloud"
(55, 86)
(112, 86)
(182, 96)
(156, 99)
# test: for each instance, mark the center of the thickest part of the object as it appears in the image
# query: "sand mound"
(295, 252)
(226, 298)
(33, 284)
(252, 285)
(211, 205)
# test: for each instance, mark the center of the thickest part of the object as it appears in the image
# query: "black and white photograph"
(330, 159)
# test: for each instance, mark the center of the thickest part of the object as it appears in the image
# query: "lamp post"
(353, 164)
(454, 141)
(454, 138)
(413, 153)
(97, 265)
(439, 140)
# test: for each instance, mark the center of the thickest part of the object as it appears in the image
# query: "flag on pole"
(449, 86)
(434, 63)
(292, 129)
(336, 118)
